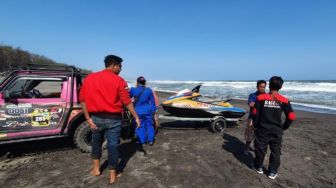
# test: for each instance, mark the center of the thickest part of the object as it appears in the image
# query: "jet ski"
(188, 103)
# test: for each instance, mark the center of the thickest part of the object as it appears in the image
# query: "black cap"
(141, 80)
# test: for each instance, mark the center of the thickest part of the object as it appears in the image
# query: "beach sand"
(186, 154)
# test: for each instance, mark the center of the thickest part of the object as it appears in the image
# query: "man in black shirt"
(269, 127)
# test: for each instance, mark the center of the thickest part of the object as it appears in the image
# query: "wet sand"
(186, 154)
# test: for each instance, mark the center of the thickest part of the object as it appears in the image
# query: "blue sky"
(181, 39)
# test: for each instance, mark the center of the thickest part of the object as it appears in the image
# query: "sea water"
(312, 95)
(315, 96)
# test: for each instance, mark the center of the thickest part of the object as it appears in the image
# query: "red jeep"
(41, 102)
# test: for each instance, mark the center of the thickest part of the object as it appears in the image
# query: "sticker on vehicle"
(17, 111)
(2, 117)
(2, 136)
(40, 117)
(24, 105)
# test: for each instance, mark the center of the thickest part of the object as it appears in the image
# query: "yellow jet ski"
(188, 103)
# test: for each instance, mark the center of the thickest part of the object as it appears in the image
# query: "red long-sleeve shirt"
(104, 91)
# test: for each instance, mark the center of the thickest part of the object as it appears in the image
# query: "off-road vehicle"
(41, 102)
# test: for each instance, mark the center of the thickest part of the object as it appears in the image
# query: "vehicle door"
(32, 106)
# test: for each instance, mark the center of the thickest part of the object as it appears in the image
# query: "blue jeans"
(146, 131)
(110, 129)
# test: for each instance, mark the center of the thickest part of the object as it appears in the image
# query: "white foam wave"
(163, 90)
(310, 87)
(315, 106)
(294, 86)
(317, 95)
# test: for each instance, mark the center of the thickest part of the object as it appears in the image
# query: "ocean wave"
(305, 94)
(299, 86)
(288, 86)
(296, 105)
(162, 90)
(315, 106)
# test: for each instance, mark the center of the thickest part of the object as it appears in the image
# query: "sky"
(180, 39)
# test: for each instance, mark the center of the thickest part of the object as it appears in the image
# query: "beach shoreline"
(186, 154)
(296, 106)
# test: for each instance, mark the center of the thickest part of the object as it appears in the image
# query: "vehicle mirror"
(6, 95)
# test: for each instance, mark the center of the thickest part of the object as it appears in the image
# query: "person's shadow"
(126, 151)
(236, 147)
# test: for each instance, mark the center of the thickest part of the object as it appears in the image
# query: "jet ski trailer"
(189, 105)
(218, 123)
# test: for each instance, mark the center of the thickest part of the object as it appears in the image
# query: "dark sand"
(186, 154)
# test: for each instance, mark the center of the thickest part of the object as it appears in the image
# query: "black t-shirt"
(268, 110)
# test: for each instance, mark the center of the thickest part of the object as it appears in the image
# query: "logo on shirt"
(271, 104)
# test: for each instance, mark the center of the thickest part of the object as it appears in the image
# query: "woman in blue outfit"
(145, 107)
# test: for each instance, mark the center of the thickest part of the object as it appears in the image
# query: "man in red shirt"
(102, 97)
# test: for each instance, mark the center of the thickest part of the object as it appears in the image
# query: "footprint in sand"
(165, 146)
(307, 158)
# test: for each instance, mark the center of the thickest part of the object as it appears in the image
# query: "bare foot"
(113, 176)
(95, 168)
(95, 172)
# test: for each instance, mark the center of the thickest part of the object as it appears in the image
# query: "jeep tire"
(83, 138)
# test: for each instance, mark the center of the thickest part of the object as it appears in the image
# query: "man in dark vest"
(269, 127)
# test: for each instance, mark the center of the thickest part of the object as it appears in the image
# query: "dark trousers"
(108, 128)
(261, 143)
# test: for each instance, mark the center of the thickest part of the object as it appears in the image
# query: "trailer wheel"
(218, 125)
(83, 138)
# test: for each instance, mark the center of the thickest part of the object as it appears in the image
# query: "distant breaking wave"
(316, 96)
(329, 86)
